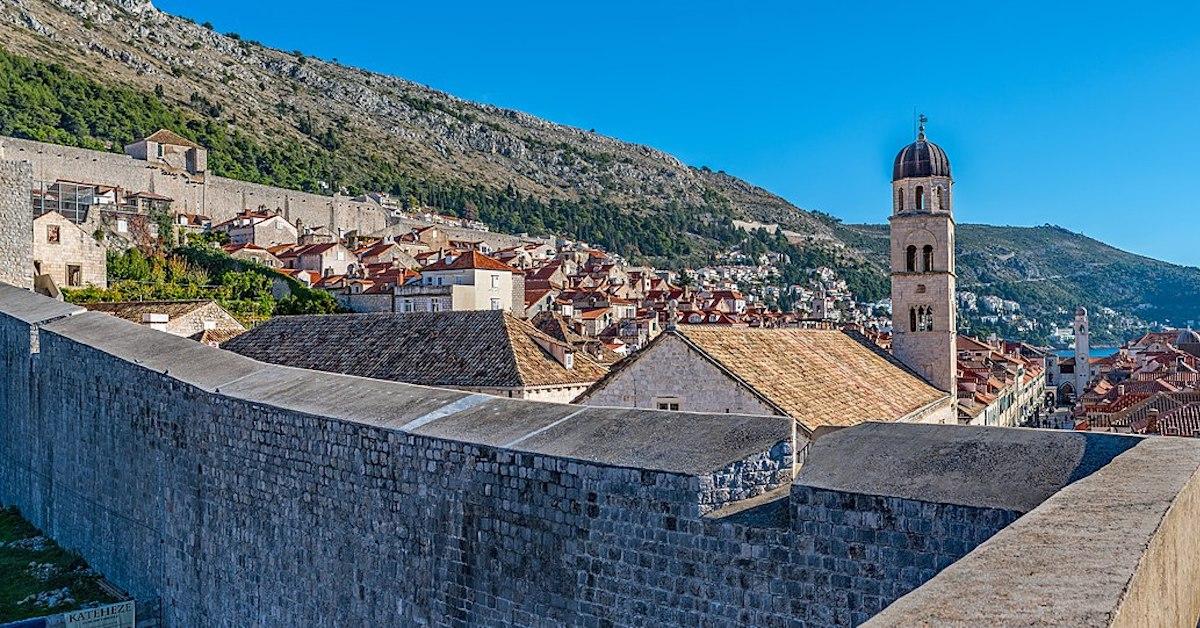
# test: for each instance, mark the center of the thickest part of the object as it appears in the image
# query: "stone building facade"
(16, 223)
(821, 378)
(925, 325)
(68, 254)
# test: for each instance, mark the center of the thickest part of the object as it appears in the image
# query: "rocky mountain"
(100, 73)
(417, 130)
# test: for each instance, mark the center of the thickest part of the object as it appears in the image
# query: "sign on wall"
(119, 615)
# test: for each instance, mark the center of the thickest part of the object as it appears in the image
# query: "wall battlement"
(239, 492)
(217, 197)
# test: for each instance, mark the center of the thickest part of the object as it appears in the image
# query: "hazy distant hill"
(120, 68)
(1048, 267)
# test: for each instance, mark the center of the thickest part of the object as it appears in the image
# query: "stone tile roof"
(819, 377)
(483, 349)
(166, 136)
(135, 310)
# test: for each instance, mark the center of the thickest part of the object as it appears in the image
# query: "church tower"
(1083, 365)
(925, 325)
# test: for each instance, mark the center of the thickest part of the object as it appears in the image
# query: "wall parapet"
(240, 492)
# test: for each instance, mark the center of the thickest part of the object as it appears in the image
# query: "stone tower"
(925, 324)
(1083, 364)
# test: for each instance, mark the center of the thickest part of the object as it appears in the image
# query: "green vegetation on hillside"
(197, 271)
(31, 564)
(47, 102)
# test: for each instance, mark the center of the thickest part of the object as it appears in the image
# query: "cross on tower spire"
(921, 126)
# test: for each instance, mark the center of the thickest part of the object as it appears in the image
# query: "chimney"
(1152, 421)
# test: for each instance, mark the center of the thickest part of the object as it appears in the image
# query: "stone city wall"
(217, 197)
(16, 223)
(234, 492)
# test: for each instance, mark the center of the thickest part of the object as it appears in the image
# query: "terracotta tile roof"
(819, 377)
(1139, 413)
(165, 136)
(470, 259)
(481, 349)
(313, 249)
(1183, 421)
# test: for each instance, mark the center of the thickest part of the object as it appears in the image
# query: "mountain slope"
(101, 73)
(373, 117)
(1048, 269)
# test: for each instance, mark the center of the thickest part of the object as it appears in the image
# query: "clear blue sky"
(1086, 116)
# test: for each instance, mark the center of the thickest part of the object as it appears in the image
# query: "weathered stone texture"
(213, 196)
(239, 493)
(16, 224)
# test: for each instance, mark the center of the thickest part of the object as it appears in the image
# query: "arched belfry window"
(900, 200)
(927, 258)
(940, 197)
(920, 201)
(910, 259)
(923, 319)
(912, 319)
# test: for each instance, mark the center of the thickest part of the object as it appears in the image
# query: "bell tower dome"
(925, 325)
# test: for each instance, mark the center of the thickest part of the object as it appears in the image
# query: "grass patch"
(53, 569)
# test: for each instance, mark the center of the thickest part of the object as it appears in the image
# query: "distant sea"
(1095, 352)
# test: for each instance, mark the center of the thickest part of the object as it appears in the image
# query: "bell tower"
(925, 325)
(1083, 365)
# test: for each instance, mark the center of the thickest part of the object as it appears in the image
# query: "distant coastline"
(1095, 352)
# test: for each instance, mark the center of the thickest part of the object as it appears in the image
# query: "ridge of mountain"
(296, 121)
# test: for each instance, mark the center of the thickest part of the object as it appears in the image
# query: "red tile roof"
(469, 260)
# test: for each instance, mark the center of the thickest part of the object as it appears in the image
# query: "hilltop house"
(170, 151)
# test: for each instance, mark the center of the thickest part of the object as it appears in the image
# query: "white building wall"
(673, 370)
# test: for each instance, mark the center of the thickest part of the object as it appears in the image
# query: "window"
(495, 304)
(921, 288)
(940, 197)
(160, 150)
(435, 305)
(667, 403)
(122, 225)
(495, 282)
(341, 255)
(927, 258)
(408, 305)
(53, 235)
(910, 259)
(900, 200)
(920, 201)
(921, 318)
(74, 275)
